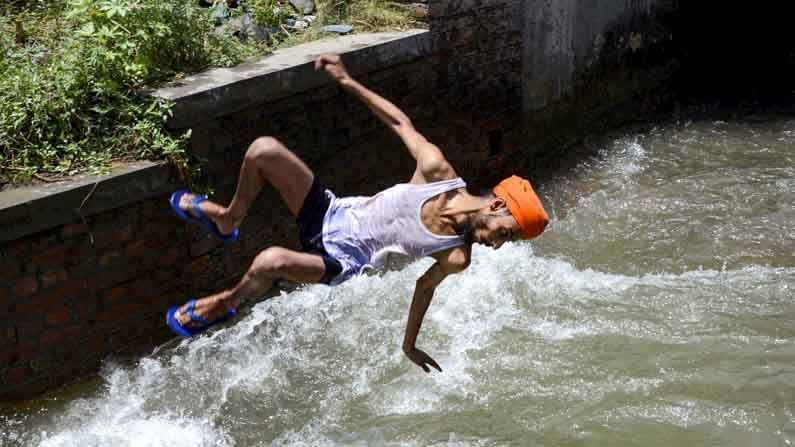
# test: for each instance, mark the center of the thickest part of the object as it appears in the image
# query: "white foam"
(556, 331)
(158, 430)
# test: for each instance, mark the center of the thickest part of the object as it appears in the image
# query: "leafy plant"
(270, 12)
(75, 104)
(73, 72)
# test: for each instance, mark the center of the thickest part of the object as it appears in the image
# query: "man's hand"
(422, 359)
(333, 65)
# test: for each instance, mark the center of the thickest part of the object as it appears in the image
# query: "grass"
(365, 16)
(73, 70)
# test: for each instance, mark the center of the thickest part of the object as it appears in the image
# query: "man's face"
(492, 229)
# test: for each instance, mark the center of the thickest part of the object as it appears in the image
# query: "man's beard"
(470, 225)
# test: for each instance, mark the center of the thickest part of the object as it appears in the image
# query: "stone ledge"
(221, 91)
(31, 209)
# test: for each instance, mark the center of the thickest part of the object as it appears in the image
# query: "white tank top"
(361, 232)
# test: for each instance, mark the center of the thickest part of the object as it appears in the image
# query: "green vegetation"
(73, 73)
(365, 16)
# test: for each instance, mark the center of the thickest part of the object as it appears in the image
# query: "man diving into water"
(432, 215)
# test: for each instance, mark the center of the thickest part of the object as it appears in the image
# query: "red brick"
(75, 330)
(51, 337)
(204, 246)
(147, 284)
(82, 248)
(161, 226)
(124, 312)
(13, 353)
(86, 307)
(55, 256)
(5, 298)
(58, 316)
(124, 234)
(10, 270)
(41, 364)
(166, 300)
(25, 287)
(73, 229)
(8, 335)
(27, 390)
(18, 373)
(15, 250)
(95, 345)
(51, 277)
(113, 236)
(139, 248)
(84, 269)
(45, 299)
(116, 294)
(168, 258)
(44, 241)
(117, 275)
(68, 364)
(168, 277)
(198, 266)
(68, 290)
(109, 258)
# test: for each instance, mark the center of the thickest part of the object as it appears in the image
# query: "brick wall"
(478, 51)
(71, 295)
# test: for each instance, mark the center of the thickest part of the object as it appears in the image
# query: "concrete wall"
(567, 37)
(588, 66)
(88, 268)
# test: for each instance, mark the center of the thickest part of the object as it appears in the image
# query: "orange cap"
(524, 205)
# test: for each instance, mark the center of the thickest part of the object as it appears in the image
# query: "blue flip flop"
(202, 220)
(179, 329)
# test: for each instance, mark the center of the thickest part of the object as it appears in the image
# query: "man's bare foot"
(210, 309)
(217, 213)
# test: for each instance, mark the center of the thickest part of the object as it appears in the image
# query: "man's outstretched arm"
(429, 158)
(454, 262)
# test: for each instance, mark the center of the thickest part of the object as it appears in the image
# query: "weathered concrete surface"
(588, 66)
(221, 91)
(30, 209)
(567, 37)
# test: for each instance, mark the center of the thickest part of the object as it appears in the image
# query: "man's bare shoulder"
(455, 259)
(433, 167)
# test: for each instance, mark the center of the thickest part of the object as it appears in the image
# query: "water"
(657, 310)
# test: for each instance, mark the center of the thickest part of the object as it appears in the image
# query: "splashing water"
(657, 309)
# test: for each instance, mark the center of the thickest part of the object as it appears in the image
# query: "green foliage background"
(71, 81)
(73, 74)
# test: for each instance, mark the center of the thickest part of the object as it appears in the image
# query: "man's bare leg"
(266, 160)
(271, 264)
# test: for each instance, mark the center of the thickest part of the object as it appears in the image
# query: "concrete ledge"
(31, 209)
(222, 91)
